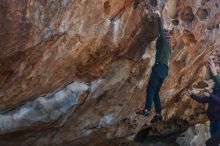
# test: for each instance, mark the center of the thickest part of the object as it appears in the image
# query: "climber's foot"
(156, 119)
(143, 112)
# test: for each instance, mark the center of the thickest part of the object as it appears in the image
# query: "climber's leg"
(215, 134)
(153, 84)
(162, 72)
(214, 140)
(157, 102)
(150, 92)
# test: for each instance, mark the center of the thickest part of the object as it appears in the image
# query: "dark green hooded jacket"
(217, 82)
(163, 46)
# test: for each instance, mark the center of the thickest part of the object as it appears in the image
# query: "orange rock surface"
(74, 72)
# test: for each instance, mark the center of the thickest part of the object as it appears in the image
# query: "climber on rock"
(158, 74)
(213, 111)
(215, 125)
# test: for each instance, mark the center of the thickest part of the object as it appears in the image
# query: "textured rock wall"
(74, 72)
(65, 41)
(193, 41)
(194, 136)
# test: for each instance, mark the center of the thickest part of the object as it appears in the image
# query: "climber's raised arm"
(161, 28)
(215, 74)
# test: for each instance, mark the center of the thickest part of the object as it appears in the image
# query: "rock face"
(56, 36)
(74, 72)
(194, 136)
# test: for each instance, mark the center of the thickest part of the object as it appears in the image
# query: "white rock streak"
(43, 109)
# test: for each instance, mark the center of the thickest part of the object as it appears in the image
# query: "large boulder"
(75, 72)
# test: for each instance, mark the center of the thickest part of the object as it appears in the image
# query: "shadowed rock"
(202, 13)
(187, 14)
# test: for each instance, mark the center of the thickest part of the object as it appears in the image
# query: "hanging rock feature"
(172, 8)
(187, 14)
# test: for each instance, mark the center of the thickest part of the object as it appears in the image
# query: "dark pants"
(215, 134)
(158, 74)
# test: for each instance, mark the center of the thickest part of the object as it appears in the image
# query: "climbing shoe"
(156, 119)
(143, 113)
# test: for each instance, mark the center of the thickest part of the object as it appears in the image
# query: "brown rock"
(172, 8)
(175, 22)
(187, 14)
(75, 72)
(202, 13)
